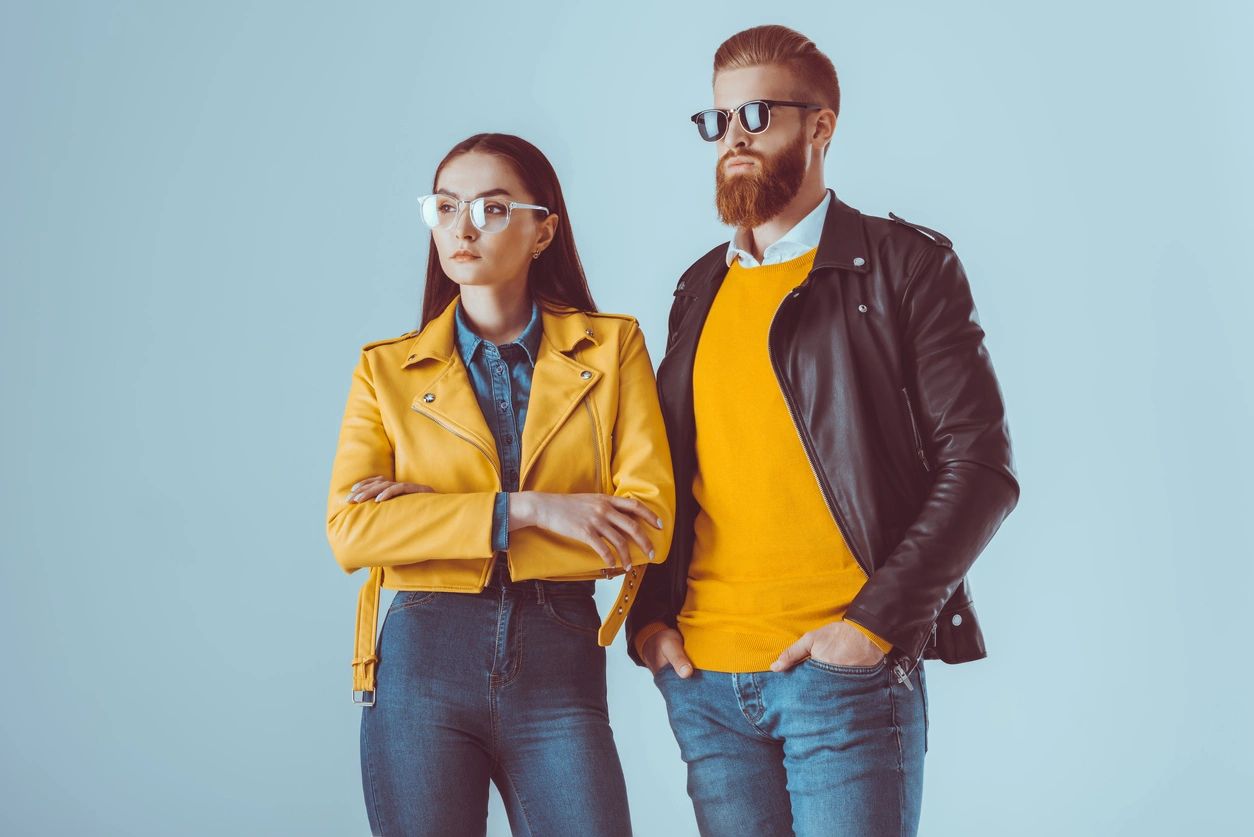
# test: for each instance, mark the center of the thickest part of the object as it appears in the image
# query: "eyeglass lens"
(486, 214)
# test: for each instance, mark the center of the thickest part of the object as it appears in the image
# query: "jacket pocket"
(597, 459)
(914, 430)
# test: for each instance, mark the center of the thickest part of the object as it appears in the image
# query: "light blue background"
(206, 210)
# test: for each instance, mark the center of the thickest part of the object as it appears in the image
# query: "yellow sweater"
(768, 561)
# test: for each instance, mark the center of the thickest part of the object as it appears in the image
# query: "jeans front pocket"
(411, 598)
(856, 671)
(574, 610)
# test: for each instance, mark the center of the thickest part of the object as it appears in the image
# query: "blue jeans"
(507, 686)
(817, 750)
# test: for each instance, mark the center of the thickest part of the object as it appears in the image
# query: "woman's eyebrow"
(486, 194)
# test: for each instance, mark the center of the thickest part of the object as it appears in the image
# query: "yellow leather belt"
(365, 659)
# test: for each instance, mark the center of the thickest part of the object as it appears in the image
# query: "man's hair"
(781, 46)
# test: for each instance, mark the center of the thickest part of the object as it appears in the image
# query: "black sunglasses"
(755, 117)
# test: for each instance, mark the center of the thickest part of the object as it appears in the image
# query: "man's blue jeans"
(817, 750)
(507, 686)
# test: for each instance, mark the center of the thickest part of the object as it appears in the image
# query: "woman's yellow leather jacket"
(593, 425)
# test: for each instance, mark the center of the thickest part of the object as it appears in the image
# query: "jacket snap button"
(585, 374)
(956, 620)
(858, 262)
(862, 308)
(588, 331)
(429, 397)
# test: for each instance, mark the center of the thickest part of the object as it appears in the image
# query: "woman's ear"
(547, 231)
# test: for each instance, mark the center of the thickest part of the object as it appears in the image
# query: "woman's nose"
(462, 225)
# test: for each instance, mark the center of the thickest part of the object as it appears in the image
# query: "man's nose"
(736, 135)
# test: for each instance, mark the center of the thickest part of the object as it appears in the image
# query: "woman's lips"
(464, 256)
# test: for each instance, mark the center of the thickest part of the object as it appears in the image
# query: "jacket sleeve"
(404, 529)
(639, 467)
(652, 611)
(964, 426)
(640, 460)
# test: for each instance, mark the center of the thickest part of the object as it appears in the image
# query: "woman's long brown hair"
(556, 279)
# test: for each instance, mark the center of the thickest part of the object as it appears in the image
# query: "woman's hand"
(590, 518)
(381, 489)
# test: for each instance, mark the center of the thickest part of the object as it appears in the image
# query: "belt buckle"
(363, 693)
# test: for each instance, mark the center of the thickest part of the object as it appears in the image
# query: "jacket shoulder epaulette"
(387, 340)
(627, 318)
(934, 236)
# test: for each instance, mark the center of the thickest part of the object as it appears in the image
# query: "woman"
(490, 467)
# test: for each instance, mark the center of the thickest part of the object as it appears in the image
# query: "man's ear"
(825, 126)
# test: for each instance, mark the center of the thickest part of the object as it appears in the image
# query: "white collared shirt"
(802, 238)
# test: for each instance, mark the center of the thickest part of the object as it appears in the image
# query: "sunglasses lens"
(754, 116)
(712, 124)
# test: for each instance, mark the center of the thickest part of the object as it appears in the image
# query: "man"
(841, 456)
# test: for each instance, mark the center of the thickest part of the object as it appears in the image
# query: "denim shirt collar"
(468, 342)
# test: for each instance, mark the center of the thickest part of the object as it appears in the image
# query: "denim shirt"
(501, 378)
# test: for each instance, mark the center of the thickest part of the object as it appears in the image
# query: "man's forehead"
(734, 86)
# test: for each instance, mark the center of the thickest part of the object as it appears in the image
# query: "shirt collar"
(802, 238)
(468, 342)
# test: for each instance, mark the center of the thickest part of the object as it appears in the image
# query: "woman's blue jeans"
(503, 686)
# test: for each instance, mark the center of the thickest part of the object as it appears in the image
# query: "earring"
(535, 255)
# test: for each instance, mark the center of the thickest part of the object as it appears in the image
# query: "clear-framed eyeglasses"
(487, 214)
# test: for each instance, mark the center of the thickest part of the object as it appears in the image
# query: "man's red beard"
(753, 198)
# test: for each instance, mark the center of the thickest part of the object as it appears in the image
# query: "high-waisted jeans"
(507, 686)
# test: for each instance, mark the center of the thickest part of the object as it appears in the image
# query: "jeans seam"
(901, 768)
(372, 800)
(522, 803)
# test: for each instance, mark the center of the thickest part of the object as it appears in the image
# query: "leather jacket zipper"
(499, 484)
(481, 448)
(914, 428)
(903, 665)
(806, 442)
(596, 446)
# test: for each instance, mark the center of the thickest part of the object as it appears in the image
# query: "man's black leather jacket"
(881, 359)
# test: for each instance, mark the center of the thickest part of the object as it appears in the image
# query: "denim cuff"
(500, 522)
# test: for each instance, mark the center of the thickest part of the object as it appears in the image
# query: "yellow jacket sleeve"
(405, 529)
(640, 467)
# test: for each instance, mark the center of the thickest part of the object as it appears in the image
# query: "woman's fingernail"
(685, 670)
(659, 523)
(652, 552)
